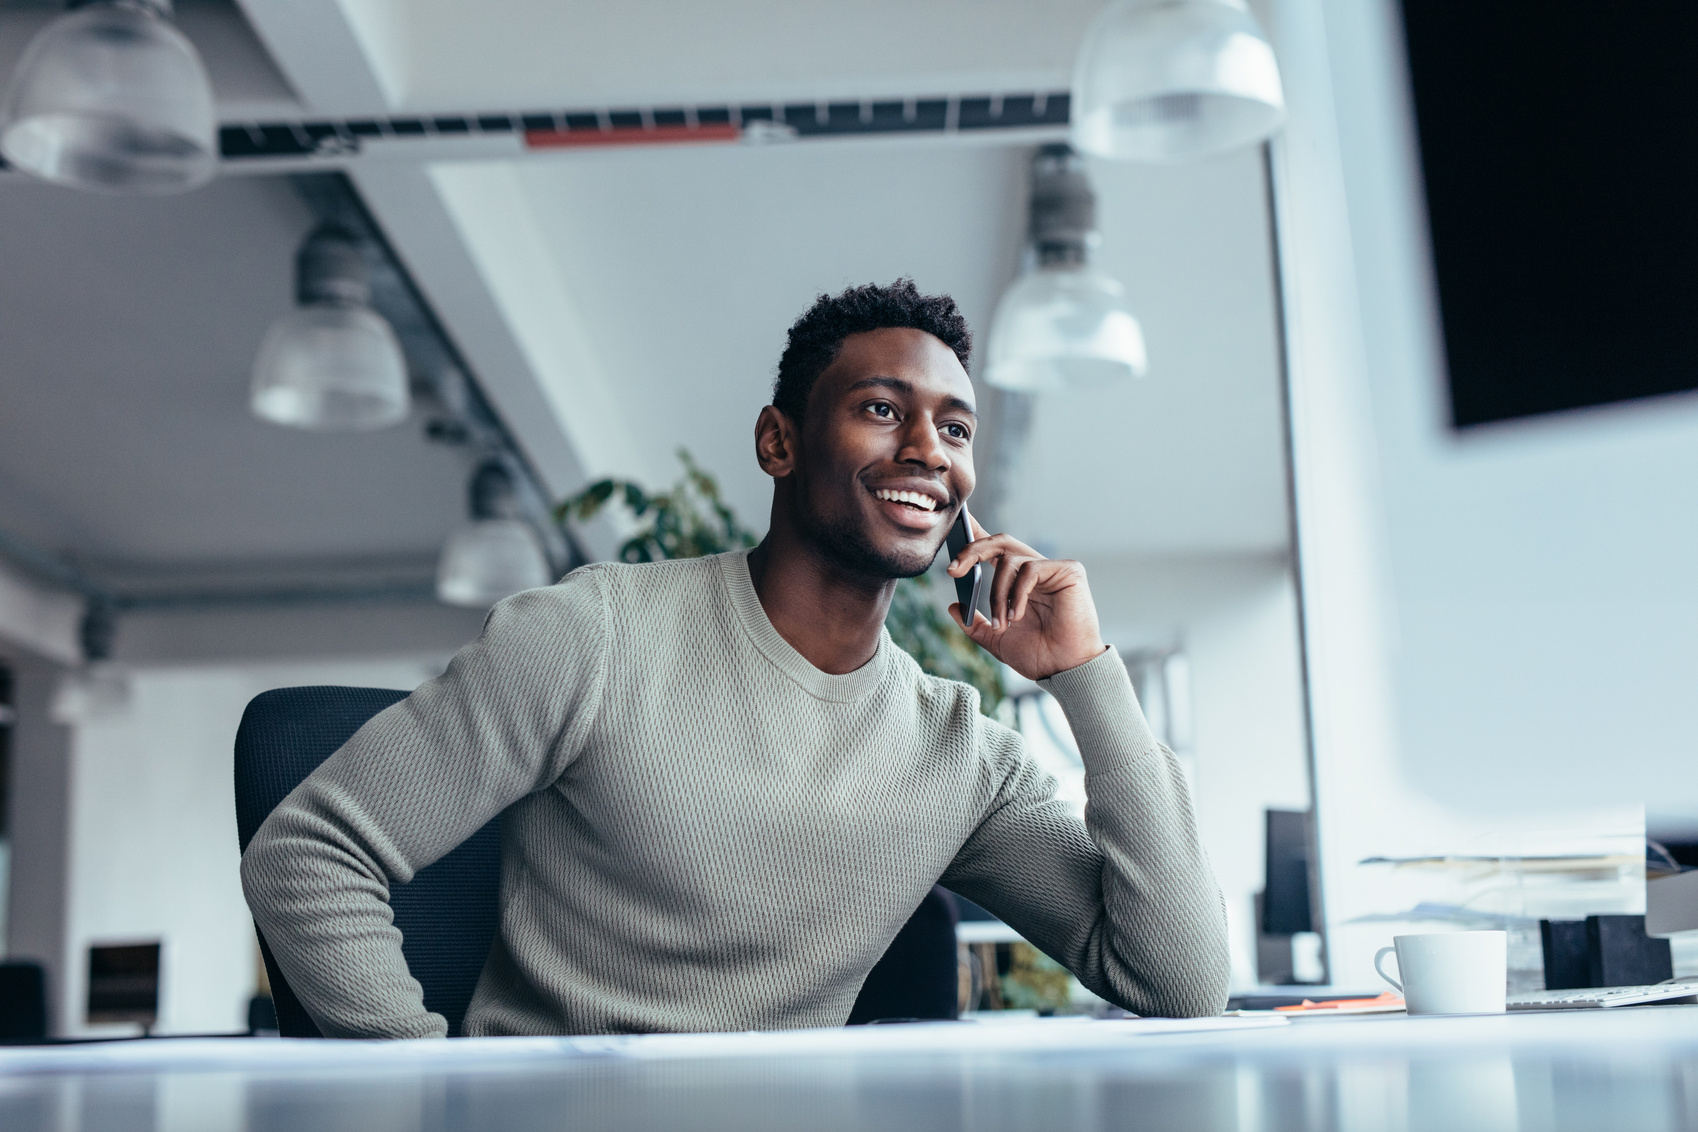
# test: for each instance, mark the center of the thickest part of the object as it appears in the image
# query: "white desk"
(1632, 1069)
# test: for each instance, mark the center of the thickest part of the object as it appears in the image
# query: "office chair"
(448, 914)
(919, 977)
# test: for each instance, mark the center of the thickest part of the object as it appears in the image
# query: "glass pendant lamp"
(497, 554)
(112, 97)
(1064, 323)
(332, 362)
(1173, 80)
(100, 687)
(96, 691)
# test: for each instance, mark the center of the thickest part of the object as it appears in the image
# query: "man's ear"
(776, 437)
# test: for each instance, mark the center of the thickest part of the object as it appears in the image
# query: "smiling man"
(723, 790)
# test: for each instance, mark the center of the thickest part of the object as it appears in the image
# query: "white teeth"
(923, 502)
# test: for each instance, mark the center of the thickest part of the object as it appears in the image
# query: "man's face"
(886, 458)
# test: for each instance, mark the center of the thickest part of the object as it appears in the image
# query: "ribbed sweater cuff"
(1103, 711)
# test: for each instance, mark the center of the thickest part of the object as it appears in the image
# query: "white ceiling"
(450, 54)
(687, 266)
(1190, 459)
(128, 329)
(657, 286)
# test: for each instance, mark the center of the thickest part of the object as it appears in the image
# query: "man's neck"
(829, 615)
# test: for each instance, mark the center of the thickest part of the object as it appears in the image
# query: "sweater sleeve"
(1126, 899)
(506, 719)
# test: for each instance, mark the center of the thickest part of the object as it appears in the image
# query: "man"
(723, 790)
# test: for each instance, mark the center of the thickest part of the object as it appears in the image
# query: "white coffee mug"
(1450, 972)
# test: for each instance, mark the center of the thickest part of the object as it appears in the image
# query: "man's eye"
(959, 432)
(883, 410)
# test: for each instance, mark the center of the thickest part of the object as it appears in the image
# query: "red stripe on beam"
(659, 135)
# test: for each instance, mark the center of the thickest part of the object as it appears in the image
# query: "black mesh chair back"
(447, 915)
(919, 977)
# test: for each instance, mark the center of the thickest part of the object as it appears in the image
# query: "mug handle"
(1378, 956)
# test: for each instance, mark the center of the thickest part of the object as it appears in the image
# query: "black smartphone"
(969, 585)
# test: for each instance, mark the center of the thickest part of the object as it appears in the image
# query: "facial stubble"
(849, 546)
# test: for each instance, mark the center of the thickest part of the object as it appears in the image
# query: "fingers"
(1032, 574)
(1024, 579)
(989, 549)
(1008, 568)
(1017, 579)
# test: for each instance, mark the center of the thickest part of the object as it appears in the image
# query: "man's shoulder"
(642, 589)
(639, 577)
(594, 598)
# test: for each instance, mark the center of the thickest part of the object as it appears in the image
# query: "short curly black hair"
(818, 335)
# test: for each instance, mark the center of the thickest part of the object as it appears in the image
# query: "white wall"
(1236, 618)
(1250, 750)
(153, 833)
(1499, 625)
(1541, 583)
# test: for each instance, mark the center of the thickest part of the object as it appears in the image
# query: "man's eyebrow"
(901, 386)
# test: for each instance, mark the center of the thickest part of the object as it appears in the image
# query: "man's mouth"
(917, 500)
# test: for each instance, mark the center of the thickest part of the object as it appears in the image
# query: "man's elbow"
(1205, 999)
(1199, 991)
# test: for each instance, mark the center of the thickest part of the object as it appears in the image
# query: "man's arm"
(506, 719)
(1125, 900)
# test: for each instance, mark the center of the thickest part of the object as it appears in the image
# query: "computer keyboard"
(1595, 997)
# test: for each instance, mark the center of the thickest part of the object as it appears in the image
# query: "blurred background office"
(293, 398)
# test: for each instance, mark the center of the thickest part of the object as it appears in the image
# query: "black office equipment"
(1286, 908)
(1603, 951)
(1567, 960)
(262, 1016)
(1560, 160)
(1620, 954)
(1283, 907)
(449, 912)
(23, 1002)
(123, 984)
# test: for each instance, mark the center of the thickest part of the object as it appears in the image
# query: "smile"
(911, 498)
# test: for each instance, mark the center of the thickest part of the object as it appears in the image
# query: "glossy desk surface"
(1634, 1068)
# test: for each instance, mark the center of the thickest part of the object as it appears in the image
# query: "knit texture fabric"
(702, 831)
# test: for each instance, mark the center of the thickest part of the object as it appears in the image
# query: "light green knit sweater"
(702, 831)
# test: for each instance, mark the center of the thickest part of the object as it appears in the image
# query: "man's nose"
(922, 445)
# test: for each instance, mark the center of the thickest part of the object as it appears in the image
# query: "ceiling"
(616, 304)
(689, 265)
(450, 54)
(128, 329)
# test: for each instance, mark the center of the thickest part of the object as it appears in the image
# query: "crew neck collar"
(734, 569)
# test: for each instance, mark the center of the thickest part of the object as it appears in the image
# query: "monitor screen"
(1559, 147)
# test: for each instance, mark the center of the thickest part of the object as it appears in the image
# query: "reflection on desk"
(1634, 1068)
